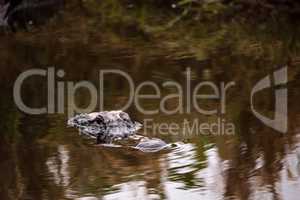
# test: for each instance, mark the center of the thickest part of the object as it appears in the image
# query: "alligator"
(109, 126)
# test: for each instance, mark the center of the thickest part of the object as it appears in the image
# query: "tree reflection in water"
(42, 159)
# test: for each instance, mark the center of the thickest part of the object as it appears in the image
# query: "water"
(41, 158)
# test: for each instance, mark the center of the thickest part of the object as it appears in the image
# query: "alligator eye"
(124, 116)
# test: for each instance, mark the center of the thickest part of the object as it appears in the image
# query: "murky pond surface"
(41, 158)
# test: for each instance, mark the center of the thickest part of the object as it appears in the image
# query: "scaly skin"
(106, 127)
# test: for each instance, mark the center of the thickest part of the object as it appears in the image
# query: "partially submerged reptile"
(109, 126)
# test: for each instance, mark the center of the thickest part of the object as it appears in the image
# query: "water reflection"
(62, 165)
(43, 159)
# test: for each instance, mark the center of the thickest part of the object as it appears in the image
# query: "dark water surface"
(41, 158)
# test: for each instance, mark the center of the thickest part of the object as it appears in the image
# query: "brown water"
(41, 158)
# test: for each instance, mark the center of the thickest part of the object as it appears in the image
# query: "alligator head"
(105, 126)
